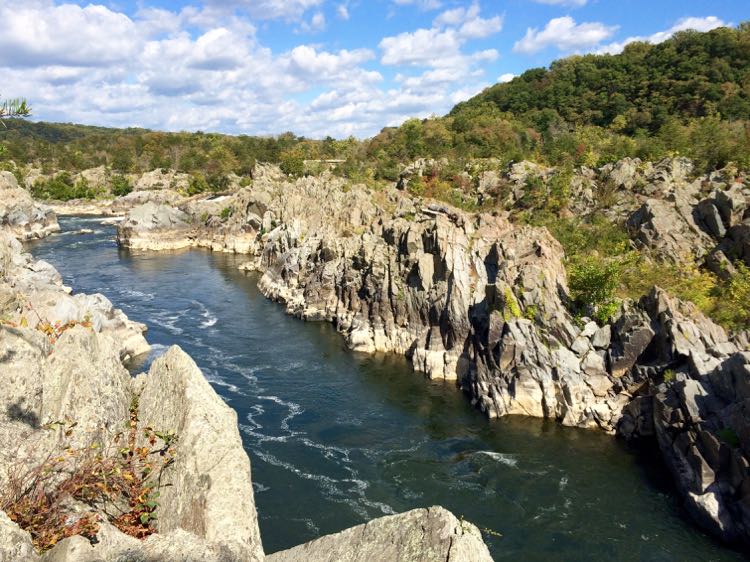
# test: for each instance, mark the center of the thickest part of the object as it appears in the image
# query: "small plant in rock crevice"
(71, 492)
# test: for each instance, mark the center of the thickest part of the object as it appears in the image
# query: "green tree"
(120, 185)
(13, 108)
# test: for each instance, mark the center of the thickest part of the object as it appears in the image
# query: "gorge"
(338, 438)
(520, 330)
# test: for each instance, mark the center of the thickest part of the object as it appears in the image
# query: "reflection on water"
(337, 438)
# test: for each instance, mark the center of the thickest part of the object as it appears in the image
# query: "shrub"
(61, 187)
(292, 165)
(733, 304)
(217, 182)
(120, 185)
(593, 282)
(198, 184)
(119, 481)
(226, 212)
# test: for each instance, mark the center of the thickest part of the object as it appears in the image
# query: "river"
(337, 438)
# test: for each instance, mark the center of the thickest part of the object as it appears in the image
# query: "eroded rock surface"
(69, 388)
(32, 294)
(210, 492)
(476, 299)
(20, 214)
(421, 535)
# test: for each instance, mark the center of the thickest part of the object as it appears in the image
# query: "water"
(337, 438)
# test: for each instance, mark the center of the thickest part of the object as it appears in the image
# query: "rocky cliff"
(87, 451)
(20, 215)
(475, 298)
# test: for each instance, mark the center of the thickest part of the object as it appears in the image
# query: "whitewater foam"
(508, 460)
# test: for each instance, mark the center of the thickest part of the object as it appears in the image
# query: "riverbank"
(71, 395)
(474, 298)
(317, 421)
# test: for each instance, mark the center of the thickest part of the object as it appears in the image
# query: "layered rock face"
(476, 299)
(697, 410)
(20, 215)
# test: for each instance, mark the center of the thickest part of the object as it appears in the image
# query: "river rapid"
(338, 438)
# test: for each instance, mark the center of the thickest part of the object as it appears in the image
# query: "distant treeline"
(55, 146)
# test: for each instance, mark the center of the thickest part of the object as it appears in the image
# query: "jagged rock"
(474, 298)
(732, 204)
(96, 178)
(418, 168)
(20, 215)
(85, 369)
(421, 535)
(160, 179)
(709, 215)
(736, 245)
(213, 500)
(137, 198)
(46, 301)
(153, 226)
(15, 543)
(624, 174)
(703, 431)
(669, 230)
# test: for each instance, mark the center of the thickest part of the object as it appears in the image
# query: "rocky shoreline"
(67, 393)
(474, 298)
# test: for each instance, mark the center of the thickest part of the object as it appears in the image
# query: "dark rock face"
(476, 299)
(697, 409)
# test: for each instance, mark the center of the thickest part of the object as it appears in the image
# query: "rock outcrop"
(421, 535)
(476, 299)
(66, 389)
(154, 226)
(32, 294)
(20, 215)
(211, 494)
(473, 298)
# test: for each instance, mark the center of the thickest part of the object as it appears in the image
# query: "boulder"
(421, 535)
(15, 543)
(154, 226)
(20, 215)
(211, 493)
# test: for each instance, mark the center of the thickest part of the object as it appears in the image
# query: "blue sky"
(315, 67)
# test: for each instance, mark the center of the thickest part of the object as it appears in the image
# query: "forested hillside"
(689, 95)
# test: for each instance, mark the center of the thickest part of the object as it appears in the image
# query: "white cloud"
(65, 35)
(316, 24)
(571, 3)
(565, 35)
(267, 9)
(342, 10)
(420, 47)
(441, 46)
(698, 24)
(469, 23)
(507, 77)
(162, 76)
(421, 4)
